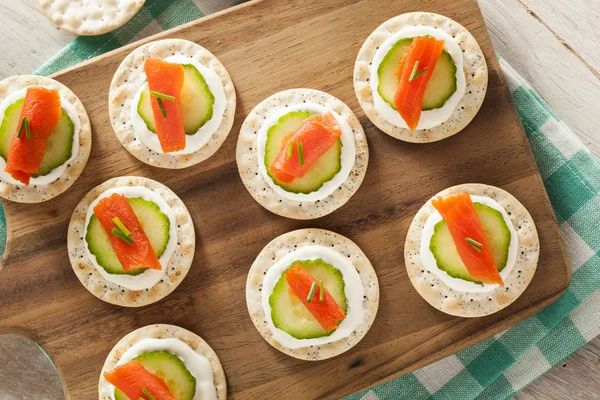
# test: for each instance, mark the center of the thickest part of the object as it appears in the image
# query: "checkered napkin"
(500, 366)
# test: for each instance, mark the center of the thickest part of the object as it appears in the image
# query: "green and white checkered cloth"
(498, 367)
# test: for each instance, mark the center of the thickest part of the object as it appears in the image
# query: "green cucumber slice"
(171, 369)
(196, 102)
(496, 233)
(59, 145)
(289, 313)
(319, 173)
(156, 226)
(440, 87)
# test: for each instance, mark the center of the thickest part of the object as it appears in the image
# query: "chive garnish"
(427, 36)
(311, 293)
(320, 290)
(127, 239)
(290, 150)
(477, 249)
(148, 395)
(473, 242)
(414, 74)
(162, 107)
(162, 95)
(24, 127)
(121, 226)
(300, 154)
(27, 128)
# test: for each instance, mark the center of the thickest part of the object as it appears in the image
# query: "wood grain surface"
(270, 46)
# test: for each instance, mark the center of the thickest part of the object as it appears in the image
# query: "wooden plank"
(259, 43)
(575, 23)
(28, 38)
(569, 87)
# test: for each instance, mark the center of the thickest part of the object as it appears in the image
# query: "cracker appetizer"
(312, 294)
(471, 250)
(171, 103)
(420, 77)
(302, 153)
(162, 362)
(89, 17)
(45, 138)
(131, 241)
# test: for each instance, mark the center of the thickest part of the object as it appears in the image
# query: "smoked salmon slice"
(417, 66)
(327, 312)
(133, 380)
(42, 109)
(138, 254)
(465, 227)
(167, 79)
(302, 148)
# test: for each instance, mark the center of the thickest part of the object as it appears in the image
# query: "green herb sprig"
(121, 231)
(159, 99)
(300, 154)
(311, 293)
(25, 126)
(321, 296)
(475, 245)
(414, 74)
(147, 394)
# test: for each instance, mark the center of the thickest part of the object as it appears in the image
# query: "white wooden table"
(552, 43)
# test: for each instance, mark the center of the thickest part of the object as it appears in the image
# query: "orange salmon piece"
(317, 135)
(42, 108)
(463, 222)
(132, 377)
(167, 78)
(137, 255)
(327, 312)
(409, 95)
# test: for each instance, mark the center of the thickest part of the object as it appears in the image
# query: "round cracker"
(178, 266)
(38, 193)
(89, 17)
(128, 79)
(163, 331)
(475, 69)
(287, 243)
(474, 304)
(247, 156)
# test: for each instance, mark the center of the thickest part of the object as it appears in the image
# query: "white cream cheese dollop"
(348, 155)
(429, 118)
(461, 285)
(198, 140)
(353, 290)
(56, 172)
(149, 277)
(196, 364)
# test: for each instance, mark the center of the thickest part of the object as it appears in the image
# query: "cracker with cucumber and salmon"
(302, 153)
(131, 241)
(420, 77)
(312, 294)
(471, 250)
(45, 138)
(162, 362)
(171, 103)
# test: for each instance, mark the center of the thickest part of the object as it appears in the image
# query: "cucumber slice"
(289, 313)
(496, 233)
(59, 145)
(171, 369)
(320, 172)
(156, 226)
(440, 87)
(196, 102)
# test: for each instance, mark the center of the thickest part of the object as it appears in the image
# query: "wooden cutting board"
(268, 46)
